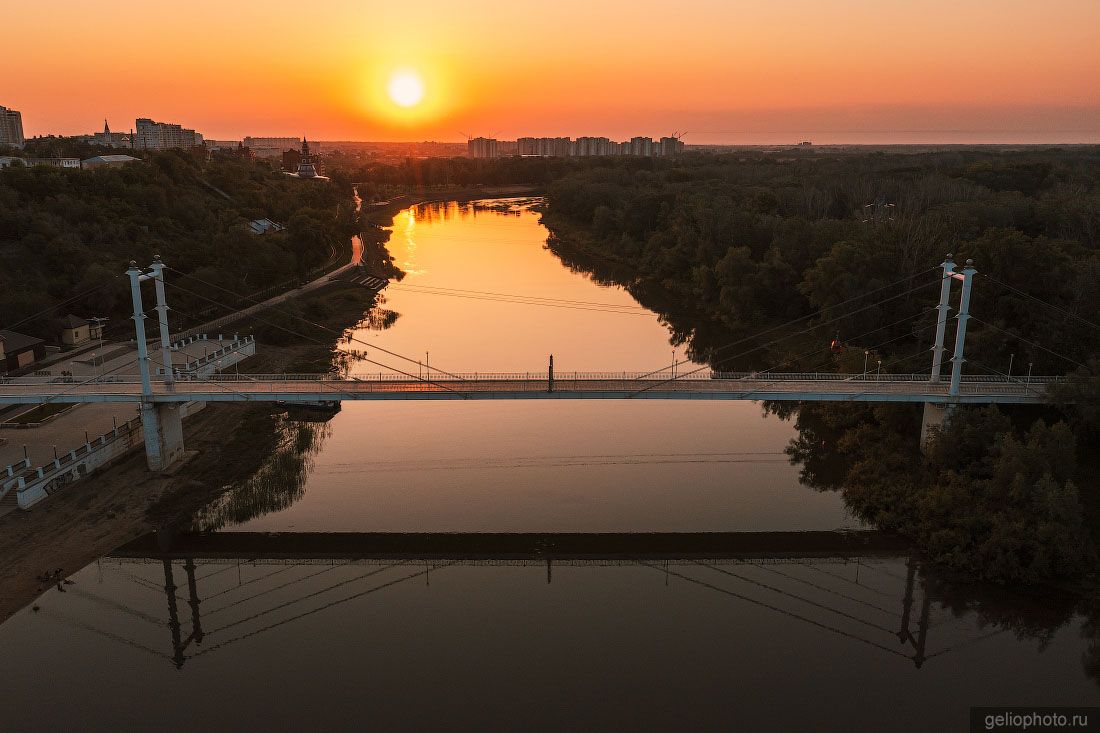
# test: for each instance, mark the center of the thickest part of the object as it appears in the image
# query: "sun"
(406, 88)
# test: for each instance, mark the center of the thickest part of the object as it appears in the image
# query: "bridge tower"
(936, 414)
(161, 424)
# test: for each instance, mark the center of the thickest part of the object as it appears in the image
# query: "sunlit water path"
(483, 294)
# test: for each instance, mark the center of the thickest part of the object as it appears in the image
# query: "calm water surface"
(779, 641)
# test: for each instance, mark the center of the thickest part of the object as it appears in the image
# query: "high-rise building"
(483, 147)
(670, 146)
(586, 146)
(641, 146)
(152, 135)
(11, 128)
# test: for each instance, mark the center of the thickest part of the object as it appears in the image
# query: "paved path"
(217, 323)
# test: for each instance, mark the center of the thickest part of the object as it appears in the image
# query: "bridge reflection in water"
(222, 588)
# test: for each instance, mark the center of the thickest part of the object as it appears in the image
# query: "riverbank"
(377, 218)
(225, 443)
(973, 530)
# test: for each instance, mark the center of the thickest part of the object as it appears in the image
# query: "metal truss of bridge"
(159, 397)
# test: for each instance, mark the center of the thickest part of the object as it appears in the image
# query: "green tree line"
(727, 246)
(66, 233)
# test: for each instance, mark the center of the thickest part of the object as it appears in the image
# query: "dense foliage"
(987, 498)
(66, 233)
(727, 247)
(759, 240)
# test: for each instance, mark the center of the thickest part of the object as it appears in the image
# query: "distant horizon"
(761, 137)
(1078, 124)
(727, 71)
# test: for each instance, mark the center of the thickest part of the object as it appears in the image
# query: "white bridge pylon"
(161, 424)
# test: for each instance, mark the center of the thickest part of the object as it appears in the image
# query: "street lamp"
(866, 355)
(878, 377)
(99, 321)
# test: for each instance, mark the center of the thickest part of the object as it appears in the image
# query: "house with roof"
(18, 351)
(264, 226)
(76, 331)
(107, 161)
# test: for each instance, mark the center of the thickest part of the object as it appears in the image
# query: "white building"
(483, 147)
(7, 161)
(107, 161)
(11, 128)
(151, 135)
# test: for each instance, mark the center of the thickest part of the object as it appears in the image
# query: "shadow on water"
(1031, 616)
(223, 588)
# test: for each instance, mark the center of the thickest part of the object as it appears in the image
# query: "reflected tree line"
(724, 248)
(277, 483)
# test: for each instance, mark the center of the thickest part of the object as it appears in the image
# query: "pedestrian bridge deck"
(974, 389)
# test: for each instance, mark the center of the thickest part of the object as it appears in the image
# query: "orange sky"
(726, 71)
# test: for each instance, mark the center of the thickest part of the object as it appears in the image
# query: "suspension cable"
(783, 338)
(803, 318)
(46, 310)
(318, 341)
(1037, 299)
(311, 323)
(518, 296)
(1032, 343)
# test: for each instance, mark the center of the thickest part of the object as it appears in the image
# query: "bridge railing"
(627, 376)
(541, 377)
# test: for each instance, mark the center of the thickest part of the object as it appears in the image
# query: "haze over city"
(857, 71)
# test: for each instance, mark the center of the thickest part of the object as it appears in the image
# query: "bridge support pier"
(935, 415)
(162, 426)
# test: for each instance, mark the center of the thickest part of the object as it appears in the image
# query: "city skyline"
(723, 72)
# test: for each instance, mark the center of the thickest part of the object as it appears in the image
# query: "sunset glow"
(406, 89)
(724, 71)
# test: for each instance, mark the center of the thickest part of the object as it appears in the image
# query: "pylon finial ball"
(156, 258)
(133, 263)
(970, 263)
(949, 257)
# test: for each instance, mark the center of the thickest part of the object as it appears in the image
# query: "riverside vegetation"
(727, 246)
(66, 236)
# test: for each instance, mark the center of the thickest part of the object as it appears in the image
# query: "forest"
(813, 249)
(67, 235)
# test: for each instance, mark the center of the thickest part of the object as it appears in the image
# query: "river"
(782, 640)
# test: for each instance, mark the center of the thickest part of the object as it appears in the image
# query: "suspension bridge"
(159, 393)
